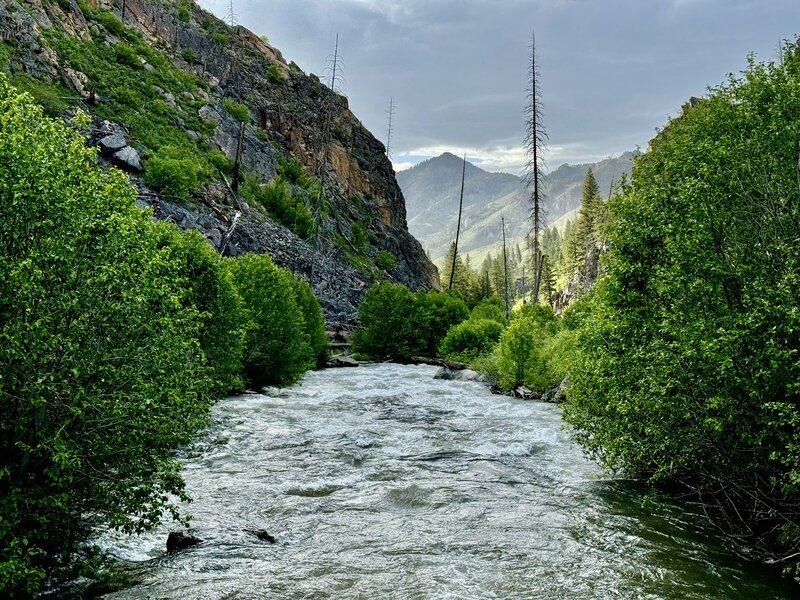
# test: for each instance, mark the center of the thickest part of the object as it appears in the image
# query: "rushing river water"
(381, 482)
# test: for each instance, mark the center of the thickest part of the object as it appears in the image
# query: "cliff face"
(171, 79)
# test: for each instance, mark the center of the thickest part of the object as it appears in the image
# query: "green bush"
(110, 21)
(541, 314)
(687, 366)
(238, 111)
(278, 201)
(175, 174)
(189, 56)
(359, 237)
(436, 313)
(48, 96)
(101, 373)
(314, 324)
(385, 260)
(211, 291)
(520, 356)
(277, 349)
(398, 323)
(492, 308)
(126, 55)
(470, 339)
(275, 75)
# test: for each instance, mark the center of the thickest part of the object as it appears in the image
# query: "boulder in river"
(263, 535)
(181, 540)
(449, 374)
(342, 361)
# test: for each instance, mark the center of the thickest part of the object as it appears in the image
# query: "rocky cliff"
(176, 94)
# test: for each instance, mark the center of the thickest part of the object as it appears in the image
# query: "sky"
(611, 71)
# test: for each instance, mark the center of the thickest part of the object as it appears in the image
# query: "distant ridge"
(432, 187)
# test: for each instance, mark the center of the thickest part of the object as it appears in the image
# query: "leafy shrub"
(437, 312)
(211, 291)
(189, 56)
(470, 339)
(126, 55)
(275, 75)
(109, 20)
(520, 355)
(492, 308)
(398, 323)
(238, 111)
(175, 174)
(46, 95)
(220, 38)
(100, 368)
(314, 324)
(541, 314)
(687, 366)
(385, 260)
(358, 236)
(278, 201)
(277, 349)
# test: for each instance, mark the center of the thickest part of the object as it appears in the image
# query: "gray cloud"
(612, 71)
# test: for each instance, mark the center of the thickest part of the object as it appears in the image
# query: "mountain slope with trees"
(432, 188)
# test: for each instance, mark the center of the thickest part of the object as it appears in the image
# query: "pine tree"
(460, 274)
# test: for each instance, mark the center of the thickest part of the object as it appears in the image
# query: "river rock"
(181, 540)
(524, 393)
(128, 158)
(342, 361)
(263, 535)
(445, 374)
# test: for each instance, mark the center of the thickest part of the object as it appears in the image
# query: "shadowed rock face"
(291, 113)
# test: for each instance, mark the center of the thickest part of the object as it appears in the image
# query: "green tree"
(687, 368)
(211, 291)
(277, 348)
(101, 372)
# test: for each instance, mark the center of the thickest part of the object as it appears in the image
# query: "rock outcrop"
(290, 116)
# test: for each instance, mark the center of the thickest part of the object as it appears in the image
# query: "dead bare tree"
(505, 267)
(535, 138)
(458, 226)
(390, 115)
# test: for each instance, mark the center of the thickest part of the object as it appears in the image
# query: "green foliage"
(175, 175)
(110, 21)
(470, 339)
(278, 342)
(398, 323)
(279, 201)
(359, 237)
(48, 96)
(210, 289)
(492, 308)
(238, 111)
(101, 373)
(314, 330)
(275, 75)
(520, 356)
(131, 96)
(687, 366)
(541, 314)
(126, 55)
(385, 260)
(189, 56)
(184, 10)
(220, 38)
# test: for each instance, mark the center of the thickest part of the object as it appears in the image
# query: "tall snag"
(458, 226)
(535, 138)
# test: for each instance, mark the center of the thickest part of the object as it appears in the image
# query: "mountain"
(174, 93)
(432, 189)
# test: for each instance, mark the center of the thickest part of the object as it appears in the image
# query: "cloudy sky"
(612, 71)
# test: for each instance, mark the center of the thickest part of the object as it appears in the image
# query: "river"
(381, 482)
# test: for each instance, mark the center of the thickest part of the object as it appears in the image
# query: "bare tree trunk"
(237, 165)
(458, 226)
(534, 142)
(505, 266)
